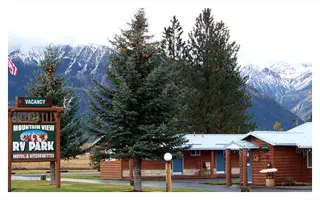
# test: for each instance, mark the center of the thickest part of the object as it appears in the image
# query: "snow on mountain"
(249, 70)
(290, 84)
(283, 80)
(79, 60)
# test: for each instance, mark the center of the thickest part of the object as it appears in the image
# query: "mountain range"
(290, 84)
(281, 92)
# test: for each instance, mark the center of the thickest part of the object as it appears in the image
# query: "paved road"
(198, 184)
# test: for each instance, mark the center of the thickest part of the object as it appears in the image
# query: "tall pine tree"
(217, 101)
(136, 117)
(173, 47)
(172, 42)
(48, 84)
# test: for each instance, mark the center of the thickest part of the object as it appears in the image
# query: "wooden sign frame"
(34, 115)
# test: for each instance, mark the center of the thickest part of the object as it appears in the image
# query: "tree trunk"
(137, 174)
(52, 173)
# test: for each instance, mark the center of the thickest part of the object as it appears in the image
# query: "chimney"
(297, 122)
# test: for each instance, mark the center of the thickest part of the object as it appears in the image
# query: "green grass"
(222, 183)
(44, 171)
(85, 176)
(97, 177)
(43, 186)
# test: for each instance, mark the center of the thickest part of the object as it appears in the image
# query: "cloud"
(266, 31)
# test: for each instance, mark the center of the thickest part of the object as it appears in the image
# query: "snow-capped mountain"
(288, 83)
(79, 63)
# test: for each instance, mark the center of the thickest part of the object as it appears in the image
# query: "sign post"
(34, 133)
(58, 181)
(9, 148)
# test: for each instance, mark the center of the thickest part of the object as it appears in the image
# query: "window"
(309, 159)
(195, 153)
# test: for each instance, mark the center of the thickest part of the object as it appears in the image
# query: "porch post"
(245, 168)
(228, 167)
(211, 164)
(240, 165)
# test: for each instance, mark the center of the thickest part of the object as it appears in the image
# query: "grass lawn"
(44, 171)
(86, 176)
(94, 177)
(43, 186)
(222, 183)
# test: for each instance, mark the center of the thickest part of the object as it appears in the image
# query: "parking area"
(198, 184)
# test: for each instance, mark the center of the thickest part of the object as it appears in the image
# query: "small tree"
(136, 117)
(48, 84)
(277, 126)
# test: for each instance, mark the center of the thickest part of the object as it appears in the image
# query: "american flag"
(12, 68)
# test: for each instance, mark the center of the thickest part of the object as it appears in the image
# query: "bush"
(288, 182)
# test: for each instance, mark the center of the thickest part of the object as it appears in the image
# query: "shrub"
(288, 182)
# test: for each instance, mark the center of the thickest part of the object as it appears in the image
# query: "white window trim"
(308, 160)
(196, 154)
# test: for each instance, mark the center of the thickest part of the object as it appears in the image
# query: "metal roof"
(299, 136)
(211, 141)
(242, 144)
(306, 129)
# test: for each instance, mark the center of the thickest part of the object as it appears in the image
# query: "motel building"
(233, 156)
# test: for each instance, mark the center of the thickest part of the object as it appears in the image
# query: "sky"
(267, 31)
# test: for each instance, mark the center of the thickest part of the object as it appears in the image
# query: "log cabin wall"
(110, 169)
(240, 166)
(148, 168)
(263, 159)
(291, 165)
(193, 162)
(146, 164)
(307, 172)
(191, 166)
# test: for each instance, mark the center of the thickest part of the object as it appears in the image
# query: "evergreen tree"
(173, 47)
(277, 126)
(172, 42)
(217, 102)
(48, 84)
(136, 117)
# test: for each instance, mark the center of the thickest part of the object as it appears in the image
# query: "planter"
(270, 182)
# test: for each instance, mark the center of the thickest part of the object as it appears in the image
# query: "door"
(177, 167)
(220, 162)
(249, 167)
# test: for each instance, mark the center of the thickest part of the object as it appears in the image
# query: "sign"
(34, 102)
(265, 148)
(33, 141)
